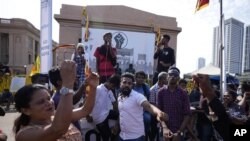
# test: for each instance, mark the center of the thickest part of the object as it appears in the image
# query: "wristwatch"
(180, 133)
(65, 90)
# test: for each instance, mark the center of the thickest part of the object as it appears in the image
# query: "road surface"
(6, 123)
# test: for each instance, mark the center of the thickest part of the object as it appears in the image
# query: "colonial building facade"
(19, 44)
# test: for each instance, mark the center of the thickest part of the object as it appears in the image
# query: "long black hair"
(22, 99)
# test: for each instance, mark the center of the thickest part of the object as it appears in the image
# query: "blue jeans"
(141, 138)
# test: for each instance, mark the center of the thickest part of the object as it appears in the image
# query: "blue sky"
(194, 41)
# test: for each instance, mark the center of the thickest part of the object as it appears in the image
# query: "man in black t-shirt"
(165, 56)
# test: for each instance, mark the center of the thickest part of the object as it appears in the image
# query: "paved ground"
(6, 123)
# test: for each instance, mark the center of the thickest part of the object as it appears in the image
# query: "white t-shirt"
(103, 103)
(131, 115)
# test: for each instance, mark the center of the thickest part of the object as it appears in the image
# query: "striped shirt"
(153, 97)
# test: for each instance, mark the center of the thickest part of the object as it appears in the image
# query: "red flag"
(201, 4)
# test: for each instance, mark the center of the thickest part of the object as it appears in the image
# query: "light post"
(25, 69)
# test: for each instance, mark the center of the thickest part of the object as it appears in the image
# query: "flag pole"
(85, 38)
(222, 54)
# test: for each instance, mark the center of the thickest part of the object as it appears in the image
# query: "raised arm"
(92, 82)
(157, 50)
(216, 108)
(243, 102)
(63, 114)
(62, 119)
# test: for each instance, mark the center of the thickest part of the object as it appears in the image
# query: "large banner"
(136, 48)
(46, 35)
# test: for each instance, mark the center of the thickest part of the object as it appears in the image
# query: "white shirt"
(103, 103)
(131, 115)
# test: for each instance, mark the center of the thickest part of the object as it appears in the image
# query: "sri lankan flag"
(201, 4)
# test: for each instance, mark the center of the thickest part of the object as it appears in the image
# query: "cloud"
(240, 10)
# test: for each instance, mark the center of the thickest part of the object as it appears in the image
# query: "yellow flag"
(28, 80)
(190, 86)
(84, 12)
(158, 36)
(33, 70)
(5, 81)
(86, 35)
(36, 67)
(85, 15)
(38, 63)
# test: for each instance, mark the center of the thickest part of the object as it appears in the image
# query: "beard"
(125, 91)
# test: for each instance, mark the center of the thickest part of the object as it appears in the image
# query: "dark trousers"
(205, 131)
(154, 129)
(150, 124)
(103, 127)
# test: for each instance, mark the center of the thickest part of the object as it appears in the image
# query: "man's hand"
(167, 134)
(161, 43)
(115, 129)
(247, 95)
(89, 118)
(92, 80)
(164, 64)
(162, 117)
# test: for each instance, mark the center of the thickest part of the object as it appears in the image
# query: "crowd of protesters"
(164, 110)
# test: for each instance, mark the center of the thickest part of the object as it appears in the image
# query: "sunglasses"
(173, 74)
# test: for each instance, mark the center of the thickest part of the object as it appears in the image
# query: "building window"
(30, 59)
(4, 48)
(30, 43)
(36, 50)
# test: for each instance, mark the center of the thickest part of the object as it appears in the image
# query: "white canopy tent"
(214, 74)
(209, 70)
